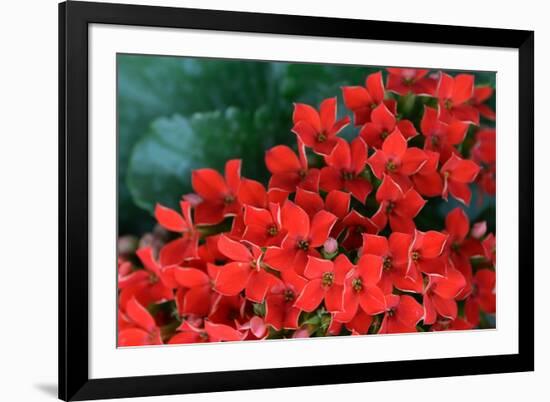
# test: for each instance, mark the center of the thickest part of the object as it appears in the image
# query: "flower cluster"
(331, 246)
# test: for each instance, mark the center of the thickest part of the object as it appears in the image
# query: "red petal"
(372, 300)
(342, 266)
(331, 179)
(275, 311)
(308, 114)
(356, 97)
(258, 285)
(413, 160)
(209, 213)
(232, 278)
(327, 113)
(311, 296)
(309, 201)
(358, 152)
(456, 132)
(209, 184)
(377, 245)
(252, 193)
(190, 277)
(185, 337)
(337, 203)
(466, 113)
(321, 225)
(316, 267)
(170, 219)
(280, 259)
(445, 307)
(333, 298)
(445, 86)
(369, 268)
(429, 185)
(133, 337)
(457, 224)
(461, 192)
(258, 217)
(465, 171)
(234, 250)
(410, 205)
(285, 181)
(371, 133)
(178, 250)
(409, 312)
(383, 117)
(233, 174)
(295, 220)
(220, 332)
(350, 304)
(306, 133)
(360, 188)
(463, 88)
(407, 128)
(430, 314)
(430, 122)
(395, 145)
(197, 301)
(389, 190)
(430, 243)
(399, 244)
(282, 159)
(378, 162)
(375, 86)
(145, 255)
(450, 286)
(140, 316)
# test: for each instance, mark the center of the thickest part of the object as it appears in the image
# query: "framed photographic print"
(256, 201)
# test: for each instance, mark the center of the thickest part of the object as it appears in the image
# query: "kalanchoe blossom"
(197, 290)
(185, 247)
(290, 171)
(453, 94)
(326, 282)
(318, 130)
(383, 123)
(410, 80)
(280, 309)
(483, 296)
(361, 289)
(362, 100)
(246, 272)
(397, 160)
(140, 329)
(219, 195)
(345, 169)
(439, 296)
(402, 314)
(427, 180)
(481, 95)
(396, 206)
(188, 333)
(355, 226)
(303, 238)
(440, 136)
(263, 226)
(426, 254)
(457, 174)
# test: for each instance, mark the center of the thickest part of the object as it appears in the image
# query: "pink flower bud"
(479, 229)
(330, 246)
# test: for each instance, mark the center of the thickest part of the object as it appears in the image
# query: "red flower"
(440, 136)
(228, 310)
(425, 254)
(480, 96)
(396, 160)
(253, 193)
(302, 238)
(439, 296)
(185, 247)
(402, 315)
(383, 123)
(394, 252)
(280, 311)
(461, 248)
(427, 181)
(326, 282)
(457, 174)
(361, 100)
(318, 130)
(344, 170)
(289, 171)
(410, 80)
(356, 225)
(245, 273)
(484, 153)
(188, 333)
(483, 296)
(219, 195)
(152, 284)
(361, 290)
(263, 226)
(397, 206)
(141, 328)
(197, 294)
(337, 202)
(454, 94)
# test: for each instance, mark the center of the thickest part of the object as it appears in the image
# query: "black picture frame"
(74, 19)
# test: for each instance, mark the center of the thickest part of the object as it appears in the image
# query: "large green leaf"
(161, 163)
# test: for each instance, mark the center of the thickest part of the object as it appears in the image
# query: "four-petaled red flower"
(383, 123)
(454, 94)
(139, 326)
(280, 310)
(411, 80)
(402, 314)
(396, 206)
(318, 130)
(188, 333)
(439, 296)
(219, 195)
(457, 174)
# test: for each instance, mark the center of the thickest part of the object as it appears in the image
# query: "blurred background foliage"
(176, 114)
